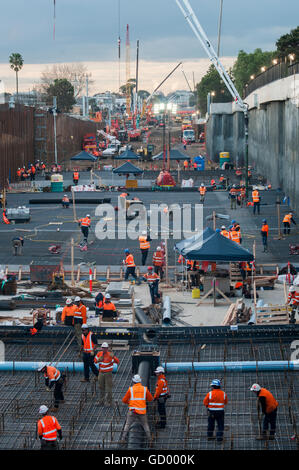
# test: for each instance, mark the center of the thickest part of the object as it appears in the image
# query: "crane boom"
(208, 47)
(206, 44)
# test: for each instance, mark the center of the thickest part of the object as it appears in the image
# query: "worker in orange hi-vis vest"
(215, 402)
(144, 244)
(76, 177)
(293, 301)
(233, 193)
(225, 233)
(264, 233)
(269, 407)
(48, 428)
(136, 398)
(242, 195)
(256, 201)
(53, 378)
(288, 218)
(85, 224)
(131, 266)
(202, 190)
(158, 262)
(4, 218)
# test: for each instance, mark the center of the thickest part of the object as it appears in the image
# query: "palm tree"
(16, 63)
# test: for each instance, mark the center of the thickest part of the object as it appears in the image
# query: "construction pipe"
(141, 316)
(136, 436)
(105, 200)
(166, 311)
(32, 366)
(246, 366)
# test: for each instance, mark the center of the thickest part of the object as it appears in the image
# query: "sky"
(87, 31)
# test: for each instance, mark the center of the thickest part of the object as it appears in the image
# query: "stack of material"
(237, 313)
(275, 314)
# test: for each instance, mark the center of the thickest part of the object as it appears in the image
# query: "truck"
(188, 136)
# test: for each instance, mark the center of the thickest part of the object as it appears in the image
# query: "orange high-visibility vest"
(68, 312)
(47, 428)
(235, 236)
(243, 192)
(293, 298)
(158, 258)
(19, 172)
(161, 387)
(212, 182)
(215, 400)
(202, 190)
(80, 312)
(130, 261)
(233, 192)
(76, 175)
(225, 233)
(137, 400)
(88, 345)
(52, 373)
(144, 244)
(65, 199)
(255, 196)
(287, 218)
(85, 222)
(271, 403)
(265, 228)
(151, 277)
(109, 306)
(105, 361)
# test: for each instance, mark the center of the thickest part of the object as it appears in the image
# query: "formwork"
(88, 426)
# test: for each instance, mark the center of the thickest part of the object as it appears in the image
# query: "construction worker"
(161, 395)
(32, 172)
(5, 219)
(84, 223)
(53, 378)
(19, 174)
(129, 262)
(105, 359)
(256, 201)
(202, 189)
(158, 262)
(108, 312)
(48, 428)
(99, 301)
(215, 402)
(144, 243)
(75, 177)
(269, 409)
(242, 195)
(17, 243)
(288, 218)
(185, 165)
(237, 228)
(293, 301)
(225, 233)
(153, 282)
(213, 183)
(136, 397)
(264, 234)
(80, 317)
(43, 168)
(89, 343)
(233, 197)
(67, 316)
(65, 202)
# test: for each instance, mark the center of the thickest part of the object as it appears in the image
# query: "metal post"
(219, 27)
(246, 150)
(87, 105)
(55, 135)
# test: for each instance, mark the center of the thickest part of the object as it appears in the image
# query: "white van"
(189, 135)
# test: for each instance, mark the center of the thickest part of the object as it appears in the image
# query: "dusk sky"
(87, 31)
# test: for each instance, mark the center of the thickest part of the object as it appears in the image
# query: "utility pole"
(219, 27)
(55, 136)
(87, 104)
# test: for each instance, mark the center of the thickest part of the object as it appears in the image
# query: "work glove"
(48, 389)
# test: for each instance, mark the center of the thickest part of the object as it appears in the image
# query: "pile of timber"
(273, 314)
(263, 279)
(237, 313)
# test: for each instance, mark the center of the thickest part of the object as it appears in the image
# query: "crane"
(187, 11)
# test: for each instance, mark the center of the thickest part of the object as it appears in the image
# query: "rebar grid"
(86, 425)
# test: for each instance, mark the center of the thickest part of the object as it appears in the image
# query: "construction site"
(149, 295)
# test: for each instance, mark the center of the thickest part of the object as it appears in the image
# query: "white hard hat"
(202, 184)
(87, 215)
(43, 409)
(65, 195)
(158, 248)
(292, 289)
(223, 227)
(136, 378)
(105, 345)
(255, 388)
(144, 232)
(41, 367)
(159, 370)
(107, 296)
(77, 299)
(84, 326)
(68, 301)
